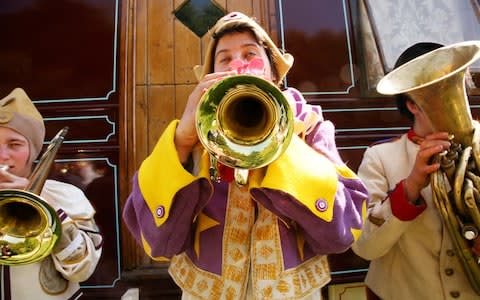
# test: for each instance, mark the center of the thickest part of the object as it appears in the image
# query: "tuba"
(29, 226)
(244, 122)
(436, 83)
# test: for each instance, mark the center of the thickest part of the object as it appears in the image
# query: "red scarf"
(414, 137)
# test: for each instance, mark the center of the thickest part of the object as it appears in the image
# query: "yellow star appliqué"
(204, 222)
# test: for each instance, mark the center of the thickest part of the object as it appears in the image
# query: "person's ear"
(412, 107)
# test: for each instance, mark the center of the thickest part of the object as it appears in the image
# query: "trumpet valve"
(469, 232)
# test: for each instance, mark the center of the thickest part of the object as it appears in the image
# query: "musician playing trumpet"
(267, 239)
(76, 254)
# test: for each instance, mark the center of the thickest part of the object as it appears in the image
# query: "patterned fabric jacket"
(272, 234)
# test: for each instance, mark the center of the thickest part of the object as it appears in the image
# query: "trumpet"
(244, 122)
(29, 226)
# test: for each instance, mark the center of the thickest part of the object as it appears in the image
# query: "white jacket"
(24, 280)
(409, 259)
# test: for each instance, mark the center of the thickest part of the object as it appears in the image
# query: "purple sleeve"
(323, 236)
(173, 236)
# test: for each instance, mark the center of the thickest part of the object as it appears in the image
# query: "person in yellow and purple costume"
(270, 238)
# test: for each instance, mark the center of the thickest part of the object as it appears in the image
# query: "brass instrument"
(29, 226)
(436, 83)
(244, 122)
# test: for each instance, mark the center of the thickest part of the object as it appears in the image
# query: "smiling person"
(267, 239)
(76, 254)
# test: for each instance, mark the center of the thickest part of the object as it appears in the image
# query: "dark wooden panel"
(317, 34)
(90, 124)
(58, 49)
(65, 54)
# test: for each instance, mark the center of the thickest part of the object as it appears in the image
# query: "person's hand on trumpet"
(186, 135)
(11, 181)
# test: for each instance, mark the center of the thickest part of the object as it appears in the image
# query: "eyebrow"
(243, 46)
(17, 140)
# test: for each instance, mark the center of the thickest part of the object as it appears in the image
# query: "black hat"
(410, 53)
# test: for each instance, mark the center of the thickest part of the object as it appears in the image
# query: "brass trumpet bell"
(244, 122)
(29, 226)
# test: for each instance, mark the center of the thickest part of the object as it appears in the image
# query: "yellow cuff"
(306, 175)
(163, 168)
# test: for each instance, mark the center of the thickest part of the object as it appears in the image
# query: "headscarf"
(18, 112)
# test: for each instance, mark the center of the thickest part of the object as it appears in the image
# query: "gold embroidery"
(283, 286)
(269, 273)
(262, 240)
(216, 290)
(236, 255)
(241, 219)
(182, 272)
(190, 279)
(296, 283)
(234, 274)
(237, 235)
(267, 293)
(202, 286)
(310, 276)
(212, 282)
(303, 279)
(231, 294)
(236, 240)
(265, 271)
(265, 252)
(265, 233)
